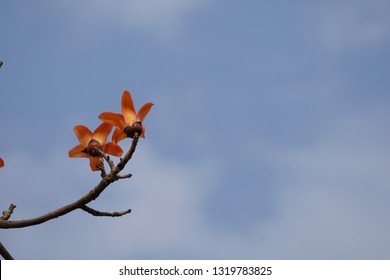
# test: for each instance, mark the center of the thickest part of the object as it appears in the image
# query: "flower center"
(136, 127)
(94, 148)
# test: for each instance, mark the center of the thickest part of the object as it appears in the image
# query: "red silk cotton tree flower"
(92, 144)
(1, 162)
(129, 122)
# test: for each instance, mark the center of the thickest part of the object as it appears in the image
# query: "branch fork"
(81, 203)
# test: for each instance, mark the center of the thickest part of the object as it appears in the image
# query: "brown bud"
(93, 148)
(135, 128)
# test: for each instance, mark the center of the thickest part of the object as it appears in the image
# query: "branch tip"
(7, 213)
(97, 213)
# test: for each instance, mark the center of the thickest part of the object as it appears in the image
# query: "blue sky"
(269, 137)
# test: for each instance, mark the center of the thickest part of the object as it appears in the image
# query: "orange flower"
(90, 143)
(1, 162)
(129, 122)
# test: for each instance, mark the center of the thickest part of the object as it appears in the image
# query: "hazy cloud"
(161, 19)
(346, 26)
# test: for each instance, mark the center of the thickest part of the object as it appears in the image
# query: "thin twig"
(107, 158)
(104, 214)
(126, 176)
(7, 213)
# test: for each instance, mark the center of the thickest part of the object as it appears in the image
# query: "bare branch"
(92, 195)
(7, 213)
(104, 214)
(4, 253)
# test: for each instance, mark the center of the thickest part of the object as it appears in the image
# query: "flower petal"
(78, 152)
(118, 135)
(1, 162)
(143, 132)
(101, 133)
(115, 119)
(94, 162)
(128, 110)
(144, 111)
(83, 134)
(112, 149)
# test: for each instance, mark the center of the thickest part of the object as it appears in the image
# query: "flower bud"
(136, 127)
(93, 148)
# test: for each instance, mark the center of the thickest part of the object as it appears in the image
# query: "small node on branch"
(103, 173)
(7, 213)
